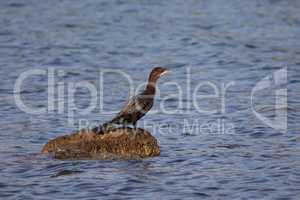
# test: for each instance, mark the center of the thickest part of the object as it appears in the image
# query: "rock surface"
(124, 143)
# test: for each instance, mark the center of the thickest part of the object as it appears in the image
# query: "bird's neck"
(151, 85)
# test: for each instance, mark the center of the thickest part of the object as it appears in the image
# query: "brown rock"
(117, 143)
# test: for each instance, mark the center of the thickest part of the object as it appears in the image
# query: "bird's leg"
(124, 124)
(134, 125)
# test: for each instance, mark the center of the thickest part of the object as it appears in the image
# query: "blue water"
(215, 41)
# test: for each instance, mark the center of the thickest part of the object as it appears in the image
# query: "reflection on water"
(240, 42)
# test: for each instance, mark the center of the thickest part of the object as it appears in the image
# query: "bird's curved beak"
(167, 71)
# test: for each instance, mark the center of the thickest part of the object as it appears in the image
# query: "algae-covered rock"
(117, 143)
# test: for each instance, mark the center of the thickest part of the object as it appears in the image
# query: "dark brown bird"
(138, 105)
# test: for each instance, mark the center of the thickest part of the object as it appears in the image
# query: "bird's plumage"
(134, 110)
(138, 105)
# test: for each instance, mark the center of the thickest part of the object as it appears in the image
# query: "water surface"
(236, 41)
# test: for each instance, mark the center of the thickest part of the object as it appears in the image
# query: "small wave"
(266, 109)
(16, 5)
(66, 173)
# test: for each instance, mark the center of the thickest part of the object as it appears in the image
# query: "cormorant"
(138, 105)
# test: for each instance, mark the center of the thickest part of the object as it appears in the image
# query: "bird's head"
(158, 72)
